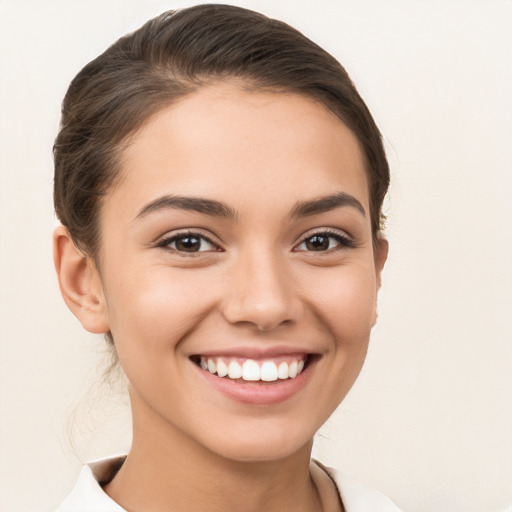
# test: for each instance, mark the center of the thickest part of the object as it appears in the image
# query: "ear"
(380, 256)
(79, 282)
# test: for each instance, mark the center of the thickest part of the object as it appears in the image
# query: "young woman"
(219, 182)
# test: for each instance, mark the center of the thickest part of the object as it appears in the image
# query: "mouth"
(240, 369)
(257, 377)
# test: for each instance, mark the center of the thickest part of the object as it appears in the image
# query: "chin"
(265, 442)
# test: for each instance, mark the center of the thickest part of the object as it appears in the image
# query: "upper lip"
(255, 352)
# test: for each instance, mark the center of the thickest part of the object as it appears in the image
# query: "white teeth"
(269, 371)
(250, 370)
(212, 367)
(292, 370)
(282, 371)
(222, 368)
(234, 370)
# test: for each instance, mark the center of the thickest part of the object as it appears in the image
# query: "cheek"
(152, 312)
(347, 313)
(345, 301)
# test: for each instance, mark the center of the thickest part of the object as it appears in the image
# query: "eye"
(325, 241)
(188, 242)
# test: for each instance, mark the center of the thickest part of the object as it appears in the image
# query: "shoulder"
(88, 495)
(358, 497)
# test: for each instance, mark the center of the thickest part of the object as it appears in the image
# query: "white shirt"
(88, 496)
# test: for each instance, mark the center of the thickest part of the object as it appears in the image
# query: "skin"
(256, 284)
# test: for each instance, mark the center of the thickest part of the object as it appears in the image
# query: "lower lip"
(258, 393)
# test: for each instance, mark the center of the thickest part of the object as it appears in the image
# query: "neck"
(166, 470)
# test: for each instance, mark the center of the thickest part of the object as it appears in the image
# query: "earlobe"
(79, 282)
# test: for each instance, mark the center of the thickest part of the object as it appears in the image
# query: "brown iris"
(317, 243)
(188, 243)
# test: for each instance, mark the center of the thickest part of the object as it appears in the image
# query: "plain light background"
(429, 422)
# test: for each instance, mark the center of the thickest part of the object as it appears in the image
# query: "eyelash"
(342, 239)
(166, 242)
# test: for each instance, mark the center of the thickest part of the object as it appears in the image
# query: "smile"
(257, 377)
(250, 370)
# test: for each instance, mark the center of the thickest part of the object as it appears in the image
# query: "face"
(238, 274)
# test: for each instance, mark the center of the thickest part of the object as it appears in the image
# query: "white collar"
(358, 497)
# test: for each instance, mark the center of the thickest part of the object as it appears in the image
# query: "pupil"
(318, 243)
(188, 243)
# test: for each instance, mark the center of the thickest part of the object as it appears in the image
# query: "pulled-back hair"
(171, 56)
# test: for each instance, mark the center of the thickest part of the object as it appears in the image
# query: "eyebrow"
(219, 209)
(326, 204)
(196, 204)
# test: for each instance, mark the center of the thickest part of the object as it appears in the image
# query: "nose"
(262, 292)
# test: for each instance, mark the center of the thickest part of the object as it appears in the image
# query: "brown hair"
(169, 57)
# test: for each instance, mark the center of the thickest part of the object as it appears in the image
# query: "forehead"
(229, 141)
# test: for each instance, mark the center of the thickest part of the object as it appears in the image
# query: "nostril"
(262, 316)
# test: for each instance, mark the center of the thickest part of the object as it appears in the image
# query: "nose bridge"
(261, 290)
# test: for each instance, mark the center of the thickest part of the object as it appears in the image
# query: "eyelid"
(169, 237)
(346, 241)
